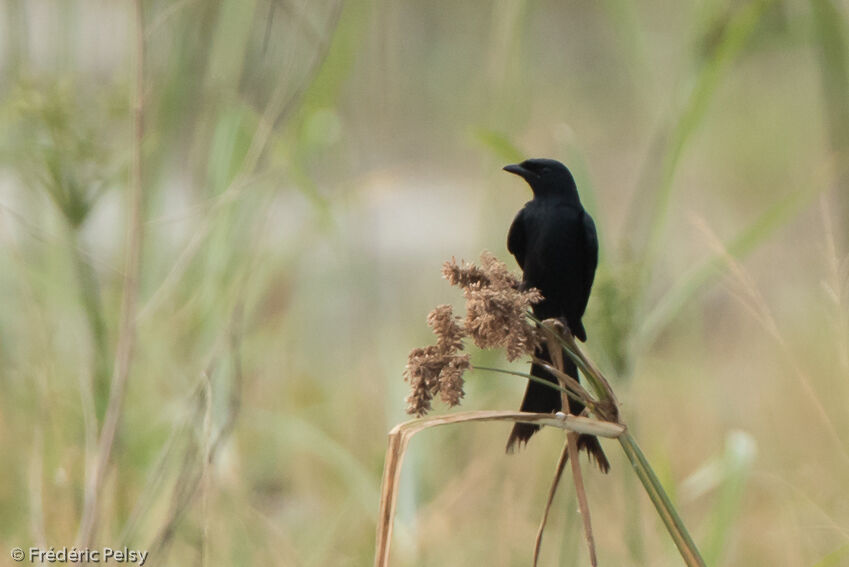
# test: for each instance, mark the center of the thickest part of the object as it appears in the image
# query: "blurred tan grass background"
(308, 166)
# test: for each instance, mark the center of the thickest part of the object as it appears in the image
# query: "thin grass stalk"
(127, 332)
(831, 40)
(730, 45)
(685, 288)
(753, 300)
(193, 478)
(572, 444)
(36, 487)
(280, 106)
(591, 372)
(558, 474)
(608, 409)
(837, 287)
(674, 525)
(568, 383)
(583, 505)
(400, 436)
(93, 308)
(639, 463)
(546, 383)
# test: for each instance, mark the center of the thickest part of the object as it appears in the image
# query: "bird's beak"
(517, 169)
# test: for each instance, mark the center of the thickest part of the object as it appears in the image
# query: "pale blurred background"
(307, 168)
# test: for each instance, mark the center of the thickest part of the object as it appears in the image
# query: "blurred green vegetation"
(307, 168)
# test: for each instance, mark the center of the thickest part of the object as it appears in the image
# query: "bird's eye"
(546, 169)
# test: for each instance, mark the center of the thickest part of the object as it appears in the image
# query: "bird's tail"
(538, 398)
(590, 444)
(519, 435)
(542, 399)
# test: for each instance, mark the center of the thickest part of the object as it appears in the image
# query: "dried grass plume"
(496, 305)
(496, 309)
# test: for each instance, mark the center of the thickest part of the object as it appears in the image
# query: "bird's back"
(555, 259)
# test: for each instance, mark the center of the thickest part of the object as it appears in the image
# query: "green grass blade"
(737, 32)
(687, 287)
(735, 468)
(834, 558)
(501, 147)
(661, 502)
(303, 435)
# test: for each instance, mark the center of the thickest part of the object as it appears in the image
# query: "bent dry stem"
(497, 317)
(400, 436)
(674, 525)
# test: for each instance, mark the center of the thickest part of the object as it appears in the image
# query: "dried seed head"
(496, 305)
(499, 276)
(463, 275)
(449, 334)
(496, 309)
(451, 379)
(437, 369)
(422, 372)
(430, 372)
(497, 319)
(419, 400)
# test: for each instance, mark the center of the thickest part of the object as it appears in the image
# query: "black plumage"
(554, 241)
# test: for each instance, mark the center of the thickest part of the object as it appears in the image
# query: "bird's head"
(546, 177)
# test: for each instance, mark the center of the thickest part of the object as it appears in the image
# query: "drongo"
(554, 241)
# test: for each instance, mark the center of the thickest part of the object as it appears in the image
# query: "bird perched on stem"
(554, 241)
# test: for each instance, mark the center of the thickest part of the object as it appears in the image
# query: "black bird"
(554, 241)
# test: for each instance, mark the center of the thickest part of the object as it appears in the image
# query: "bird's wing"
(516, 238)
(590, 254)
